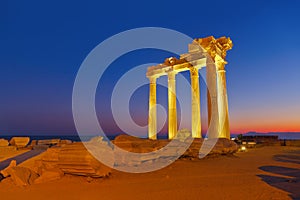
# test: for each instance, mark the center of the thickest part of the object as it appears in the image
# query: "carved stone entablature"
(199, 50)
(174, 61)
(216, 48)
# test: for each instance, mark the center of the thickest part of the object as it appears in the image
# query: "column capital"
(194, 71)
(216, 48)
(221, 65)
(172, 74)
(152, 79)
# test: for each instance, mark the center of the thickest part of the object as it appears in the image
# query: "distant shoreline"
(77, 138)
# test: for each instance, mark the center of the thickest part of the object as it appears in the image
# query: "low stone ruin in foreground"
(170, 151)
(75, 159)
(13, 144)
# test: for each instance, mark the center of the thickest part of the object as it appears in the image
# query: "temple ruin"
(205, 52)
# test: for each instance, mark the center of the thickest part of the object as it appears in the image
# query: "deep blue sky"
(42, 45)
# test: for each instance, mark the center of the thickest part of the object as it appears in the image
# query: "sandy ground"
(250, 175)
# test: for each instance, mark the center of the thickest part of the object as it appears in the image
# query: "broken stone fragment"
(75, 159)
(19, 142)
(49, 175)
(22, 176)
(5, 172)
(3, 143)
(49, 142)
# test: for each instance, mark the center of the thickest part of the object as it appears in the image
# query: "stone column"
(152, 124)
(172, 105)
(224, 131)
(212, 96)
(196, 119)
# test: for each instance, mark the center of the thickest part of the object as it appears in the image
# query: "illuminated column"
(224, 131)
(196, 120)
(213, 116)
(152, 124)
(172, 105)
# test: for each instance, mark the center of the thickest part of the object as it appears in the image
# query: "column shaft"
(223, 105)
(172, 105)
(152, 119)
(195, 92)
(213, 116)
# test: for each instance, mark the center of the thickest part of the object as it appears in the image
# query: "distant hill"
(281, 135)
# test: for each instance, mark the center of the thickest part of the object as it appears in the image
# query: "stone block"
(49, 175)
(19, 142)
(22, 176)
(4, 143)
(49, 142)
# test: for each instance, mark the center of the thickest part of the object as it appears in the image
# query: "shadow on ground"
(21, 158)
(287, 179)
(288, 158)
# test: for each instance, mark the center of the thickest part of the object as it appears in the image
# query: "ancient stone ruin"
(204, 52)
(19, 142)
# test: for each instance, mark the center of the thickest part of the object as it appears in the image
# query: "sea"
(75, 137)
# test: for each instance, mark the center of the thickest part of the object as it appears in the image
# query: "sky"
(43, 44)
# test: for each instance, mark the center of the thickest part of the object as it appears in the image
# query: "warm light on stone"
(172, 105)
(205, 52)
(152, 109)
(196, 120)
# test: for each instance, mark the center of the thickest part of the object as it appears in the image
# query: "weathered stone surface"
(221, 147)
(172, 150)
(49, 142)
(51, 155)
(22, 176)
(136, 145)
(5, 172)
(49, 175)
(19, 142)
(45, 144)
(63, 142)
(33, 143)
(40, 147)
(8, 149)
(75, 159)
(4, 143)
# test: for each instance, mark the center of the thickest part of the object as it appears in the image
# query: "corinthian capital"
(225, 45)
(194, 71)
(216, 48)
